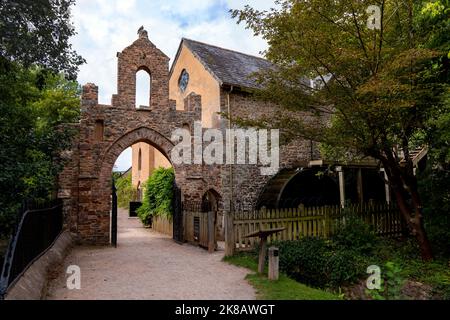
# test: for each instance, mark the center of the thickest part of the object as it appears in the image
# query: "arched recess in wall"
(139, 191)
(139, 160)
(187, 127)
(292, 187)
(212, 200)
(143, 88)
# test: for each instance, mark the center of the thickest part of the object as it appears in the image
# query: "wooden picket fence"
(163, 225)
(312, 221)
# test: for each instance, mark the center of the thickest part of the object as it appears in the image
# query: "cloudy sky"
(105, 27)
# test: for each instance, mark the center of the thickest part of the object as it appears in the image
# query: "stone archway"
(104, 131)
(141, 134)
(98, 225)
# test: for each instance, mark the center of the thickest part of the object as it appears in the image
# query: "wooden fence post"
(326, 222)
(211, 232)
(273, 263)
(262, 254)
(230, 243)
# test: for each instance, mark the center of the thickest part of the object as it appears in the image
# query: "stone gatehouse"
(203, 82)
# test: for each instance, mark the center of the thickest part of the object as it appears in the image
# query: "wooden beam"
(262, 254)
(359, 185)
(387, 189)
(230, 243)
(341, 186)
(211, 232)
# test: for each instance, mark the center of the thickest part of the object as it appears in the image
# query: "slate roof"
(227, 66)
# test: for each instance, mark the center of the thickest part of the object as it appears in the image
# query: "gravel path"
(149, 265)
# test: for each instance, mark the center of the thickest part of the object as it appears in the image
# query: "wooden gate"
(200, 227)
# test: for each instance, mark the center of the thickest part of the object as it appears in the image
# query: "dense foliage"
(35, 100)
(125, 191)
(341, 262)
(378, 89)
(158, 194)
(33, 106)
(357, 235)
(37, 32)
(435, 187)
(329, 263)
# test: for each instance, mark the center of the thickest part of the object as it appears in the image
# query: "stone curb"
(32, 283)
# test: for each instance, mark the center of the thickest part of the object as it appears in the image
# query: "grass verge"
(283, 289)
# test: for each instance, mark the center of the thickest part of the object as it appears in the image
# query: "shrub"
(355, 235)
(304, 260)
(438, 231)
(435, 193)
(390, 285)
(344, 267)
(125, 191)
(158, 194)
(316, 262)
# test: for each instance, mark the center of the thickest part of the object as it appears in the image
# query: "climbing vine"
(158, 195)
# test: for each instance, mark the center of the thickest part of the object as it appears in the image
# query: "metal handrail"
(13, 267)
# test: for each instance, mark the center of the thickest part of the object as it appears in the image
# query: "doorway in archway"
(131, 172)
(212, 201)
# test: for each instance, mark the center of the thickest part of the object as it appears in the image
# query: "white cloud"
(125, 6)
(257, 4)
(123, 162)
(105, 27)
(190, 7)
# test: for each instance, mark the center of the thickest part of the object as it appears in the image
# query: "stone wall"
(31, 285)
(246, 180)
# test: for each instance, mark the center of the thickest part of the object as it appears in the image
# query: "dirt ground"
(149, 265)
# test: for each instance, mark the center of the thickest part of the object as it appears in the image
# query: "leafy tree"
(378, 87)
(37, 32)
(31, 138)
(36, 59)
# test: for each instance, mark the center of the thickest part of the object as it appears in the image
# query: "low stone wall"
(163, 225)
(31, 285)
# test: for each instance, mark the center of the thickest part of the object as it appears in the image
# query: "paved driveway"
(149, 265)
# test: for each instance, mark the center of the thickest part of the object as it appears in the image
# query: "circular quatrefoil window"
(183, 80)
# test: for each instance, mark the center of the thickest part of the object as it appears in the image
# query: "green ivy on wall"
(158, 194)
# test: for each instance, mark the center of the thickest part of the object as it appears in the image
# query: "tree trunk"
(421, 235)
(416, 226)
(403, 190)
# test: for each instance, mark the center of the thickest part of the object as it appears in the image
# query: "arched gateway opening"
(148, 159)
(142, 134)
(101, 202)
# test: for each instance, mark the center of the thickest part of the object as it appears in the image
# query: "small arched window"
(143, 88)
(139, 160)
